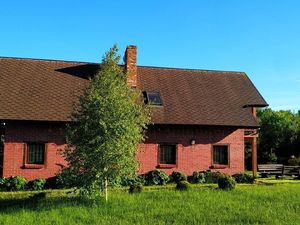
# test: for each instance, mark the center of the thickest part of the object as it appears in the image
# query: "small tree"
(105, 131)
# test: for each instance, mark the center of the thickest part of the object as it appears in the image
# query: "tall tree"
(105, 131)
(279, 134)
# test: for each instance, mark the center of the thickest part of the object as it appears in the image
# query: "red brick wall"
(196, 157)
(17, 134)
(189, 157)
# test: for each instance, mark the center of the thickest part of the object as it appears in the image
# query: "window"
(152, 98)
(35, 153)
(220, 154)
(167, 154)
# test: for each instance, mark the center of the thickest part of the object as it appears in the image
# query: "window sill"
(166, 166)
(219, 166)
(33, 166)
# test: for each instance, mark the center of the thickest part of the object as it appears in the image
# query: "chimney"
(130, 65)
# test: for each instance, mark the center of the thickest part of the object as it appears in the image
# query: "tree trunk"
(106, 192)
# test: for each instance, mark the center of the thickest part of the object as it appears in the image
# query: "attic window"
(152, 98)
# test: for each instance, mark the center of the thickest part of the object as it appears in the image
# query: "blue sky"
(261, 38)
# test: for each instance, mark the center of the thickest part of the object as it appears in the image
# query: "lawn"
(247, 204)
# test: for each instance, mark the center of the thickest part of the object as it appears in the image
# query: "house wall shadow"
(184, 134)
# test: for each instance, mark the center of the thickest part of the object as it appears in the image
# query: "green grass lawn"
(247, 204)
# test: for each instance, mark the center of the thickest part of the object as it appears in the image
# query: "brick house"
(200, 118)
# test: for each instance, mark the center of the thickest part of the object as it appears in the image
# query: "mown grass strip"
(247, 204)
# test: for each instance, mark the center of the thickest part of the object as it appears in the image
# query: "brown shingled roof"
(46, 90)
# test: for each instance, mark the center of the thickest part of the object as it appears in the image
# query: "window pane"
(36, 153)
(167, 154)
(152, 98)
(220, 154)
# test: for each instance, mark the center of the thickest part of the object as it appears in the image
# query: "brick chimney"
(130, 65)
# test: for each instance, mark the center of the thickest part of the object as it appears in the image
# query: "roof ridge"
(142, 66)
(189, 69)
(36, 59)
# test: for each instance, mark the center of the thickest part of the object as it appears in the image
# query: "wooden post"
(254, 157)
(254, 149)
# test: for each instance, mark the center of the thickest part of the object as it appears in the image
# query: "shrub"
(244, 178)
(128, 181)
(156, 177)
(135, 188)
(212, 177)
(15, 183)
(56, 182)
(50, 183)
(293, 161)
(178, 176)
(226, 182)
(182, 186)
(3, 184)
(197, 178)
(36, 185)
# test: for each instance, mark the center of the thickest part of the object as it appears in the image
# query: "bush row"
(158, 177)
(18, 183)
(154, 177)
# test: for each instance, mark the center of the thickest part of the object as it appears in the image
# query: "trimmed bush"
(178, 176)
(182, 186)
(3, 184)
(197, 178)
(51, 183)
(15, 183)
(128, 181)
(243, 178)
(156, 177)
(293, 161)
(212, 177)
(135, 188)
(226, 182)
(36, 185)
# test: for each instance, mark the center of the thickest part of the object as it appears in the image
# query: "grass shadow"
(41, 201)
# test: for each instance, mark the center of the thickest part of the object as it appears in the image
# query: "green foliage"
(56, 182)
(105, 131)
(182, 186)
(156, 177)
(36, 185)
(128, 181)
(135, 188)
(197, 178)
(279, 136)
(3, 184)
(177, 176)
(212, 177)
(293, 161)
(226, 182)
(14, 183)
(244, 178)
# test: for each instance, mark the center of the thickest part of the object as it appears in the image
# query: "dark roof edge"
(31, 120)
(266, 104)
(208, 125)
(256, 105)
(152, 124)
